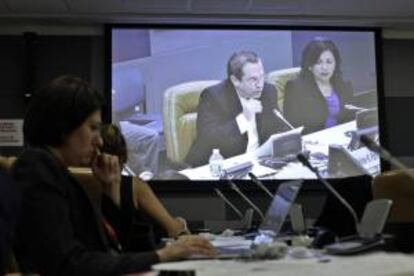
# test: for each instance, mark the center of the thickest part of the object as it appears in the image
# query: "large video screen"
(217, 102)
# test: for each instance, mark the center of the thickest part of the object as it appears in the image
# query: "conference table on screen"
(316, 142)
(376, 263)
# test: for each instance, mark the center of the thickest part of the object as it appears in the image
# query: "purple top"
(333, 109)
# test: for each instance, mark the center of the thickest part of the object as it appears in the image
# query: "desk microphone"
(259, 183)
(371, 145)
(307, 164)
(227, 201)
(251, 204)
(281, 117)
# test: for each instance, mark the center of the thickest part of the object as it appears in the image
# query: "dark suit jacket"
(60, 231)
(9, 212)
(304, 104)
(216, 125)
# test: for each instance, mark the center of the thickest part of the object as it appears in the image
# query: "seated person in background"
(133, 195)
(317, 97)
(143, 147)
(236, 115)
(61, 231)
(142, 141)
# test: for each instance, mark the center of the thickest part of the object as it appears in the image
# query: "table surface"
(378, 263)
(314, 142)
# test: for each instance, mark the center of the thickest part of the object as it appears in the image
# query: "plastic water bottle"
(215, 163)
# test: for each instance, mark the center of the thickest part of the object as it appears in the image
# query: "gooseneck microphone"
(259, 183)
(281, 117)
(227, 201)
(371, 145)
(251, 204)
(302, 158)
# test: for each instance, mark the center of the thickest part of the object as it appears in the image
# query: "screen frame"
(195, 25)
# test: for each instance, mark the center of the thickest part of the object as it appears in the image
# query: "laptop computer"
(270, 227)
(341, 163)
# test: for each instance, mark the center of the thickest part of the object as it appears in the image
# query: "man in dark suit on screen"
(236, 115)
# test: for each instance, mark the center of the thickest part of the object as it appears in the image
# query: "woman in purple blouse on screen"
(316, 99)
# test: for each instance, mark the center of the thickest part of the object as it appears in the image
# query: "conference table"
(377, 263)
(316, 143)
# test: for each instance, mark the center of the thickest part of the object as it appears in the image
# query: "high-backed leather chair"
(279, 78)
(179, 116)
(398, 187)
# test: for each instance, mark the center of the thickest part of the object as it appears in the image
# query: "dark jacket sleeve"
(295, 109)
(47, 241)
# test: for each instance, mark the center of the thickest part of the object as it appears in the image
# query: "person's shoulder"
(269, 91)
(299, 85)
(297, 82)
(34, 156)
(269, 87)
(216, 90)
(33, 162)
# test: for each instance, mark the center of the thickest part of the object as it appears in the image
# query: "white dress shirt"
(248, 126)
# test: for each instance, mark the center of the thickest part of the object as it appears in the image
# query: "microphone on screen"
(281, 117)
(228, 202)
(385, 154)
(302, 158)
(259, 183)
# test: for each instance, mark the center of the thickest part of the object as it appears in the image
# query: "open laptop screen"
(279, 208)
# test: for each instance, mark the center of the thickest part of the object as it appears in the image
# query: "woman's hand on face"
(107, 170)
(186, 246)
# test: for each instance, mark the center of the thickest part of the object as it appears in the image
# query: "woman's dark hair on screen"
(58, 109)
(114, 142)
(313, 51)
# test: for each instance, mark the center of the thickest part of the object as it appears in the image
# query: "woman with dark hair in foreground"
(61, 232)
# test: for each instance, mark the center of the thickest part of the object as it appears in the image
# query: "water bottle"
(215, 163)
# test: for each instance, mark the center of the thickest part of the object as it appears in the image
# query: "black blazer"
(61, 231)
(304, 104)
(216, 125)
(9, 213)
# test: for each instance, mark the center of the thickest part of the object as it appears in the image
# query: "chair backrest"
(279, 78)
(180, 115)
(6, 163)
(398, 187)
